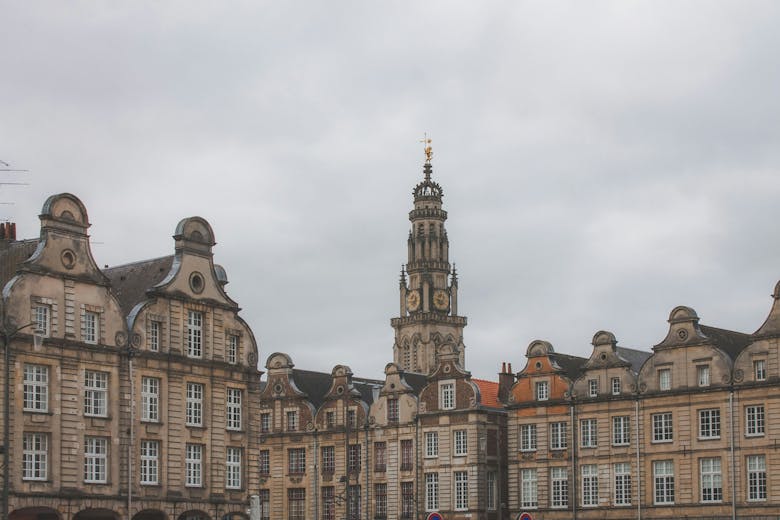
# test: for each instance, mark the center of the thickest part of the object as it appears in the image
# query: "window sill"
(709, 438)
(667, 441)
(754, 435)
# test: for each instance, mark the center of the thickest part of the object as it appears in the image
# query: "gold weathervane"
(428, 148)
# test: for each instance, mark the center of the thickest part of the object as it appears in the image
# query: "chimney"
(12, 234)
(505, 381)
(8, 231)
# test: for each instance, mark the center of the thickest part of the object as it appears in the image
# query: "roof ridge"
(129, 264)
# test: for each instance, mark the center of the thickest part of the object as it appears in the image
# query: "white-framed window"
(593, 387)
(42, 319)
(234, 397)
(431, 492)
(703, 375)
(264, 461)
(292, 420)
(558, 436)
(193, 464)
(150, 399)
(529, 489)
(590, 485)
(622, 472)
(35, 456)
(711, 480)
(621, 430)
(154, 335)
(232, 349)
(265, 422)
(665, 379)
(527, 437)
(36, 388)
(447, 396)
(491, 489)
(461, 444)
(588, 433)
(759, 370)
(352, 418)
(756, 481)
(709, 424)
(461, 491)
(95, 393)
(663, 430)
(754, 420)
(150, 463)
(91, 327)
(616, 386)
(392, 410)
(194, 404)
(559, 487)
(431, 444)
(542, 390)
(233, 468)
(95, 460)
(195, 334)
(663, 482)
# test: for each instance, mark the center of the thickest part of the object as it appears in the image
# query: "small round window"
(278, 388)
(538, 365)
(68, 259)
(340, 390)
(196, 282)
(603, 356)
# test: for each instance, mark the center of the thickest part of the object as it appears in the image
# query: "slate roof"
(416, 381)
(129, 282)
(488, 392)
(635, 357)
(316, 385)
(13, 253)
(729, 341)
(571, 365)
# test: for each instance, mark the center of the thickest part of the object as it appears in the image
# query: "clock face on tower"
(413, 301)
(440, 300)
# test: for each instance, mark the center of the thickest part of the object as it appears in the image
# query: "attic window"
(538, 365)
(196, 282)
(68, 259)
(603, 356)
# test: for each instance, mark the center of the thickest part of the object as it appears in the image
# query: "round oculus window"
(196, 282)
(68, 259)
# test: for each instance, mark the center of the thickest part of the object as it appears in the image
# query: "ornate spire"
(402, 281)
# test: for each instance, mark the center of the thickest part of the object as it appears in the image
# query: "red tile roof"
(489, 392)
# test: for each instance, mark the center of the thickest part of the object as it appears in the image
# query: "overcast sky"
(602, 162)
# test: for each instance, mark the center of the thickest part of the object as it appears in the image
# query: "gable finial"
(427, 147)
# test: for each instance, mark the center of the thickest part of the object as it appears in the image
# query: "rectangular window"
(193, 464)
(234, 397)
(662, 427)
(431, 444)
(447, 394)
(622, 472)
(542, 390)
(233, 468)
(328, 503)
(292, 421)
(353, 503)
(711, 480)
(392, 410)
(95, 393)
(621, 430)
(559, 487)
(756, 473)
(431, 491)
(558, 436)
(265, 422)
(407, 499)
(328, 459)
(529, 491)
(264, 462)
(194, 404)
(195, 334)
(593, 387)
(588, 433)
(35, 456)
(296, 461)
(615, 386)
(759, 370)
(380, 456)
(754, 420)
(380, 500)
(330, 420)
(265, 504)
(154, 336)
(663, 482)
(42, 320)
(95, 460)
(150, 399)
(232, 349)
(709, 424)
(91, 327)
(461, 444)
(36, 388)
(665, 379)
(703, 375)
(351, 418)
(150, 463)
(491, 489)
(590, 485)
(296, 504)
(527, 437)
(406, 455)
(353, 458)
(461, 491)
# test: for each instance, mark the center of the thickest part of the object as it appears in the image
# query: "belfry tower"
(428, 286)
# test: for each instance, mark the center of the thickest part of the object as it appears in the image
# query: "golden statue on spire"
(428, 148)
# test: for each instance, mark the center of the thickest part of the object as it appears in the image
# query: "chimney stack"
(505, 381)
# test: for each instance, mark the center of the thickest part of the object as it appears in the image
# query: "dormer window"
(542, 390)
(665, 379)
(593, 387)
(392, 410)
(91, 327)
(232, 349)
(759, 370)
(703, 375)
(615, 386)
(195, 334)
(447, 396)
(42, 319)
